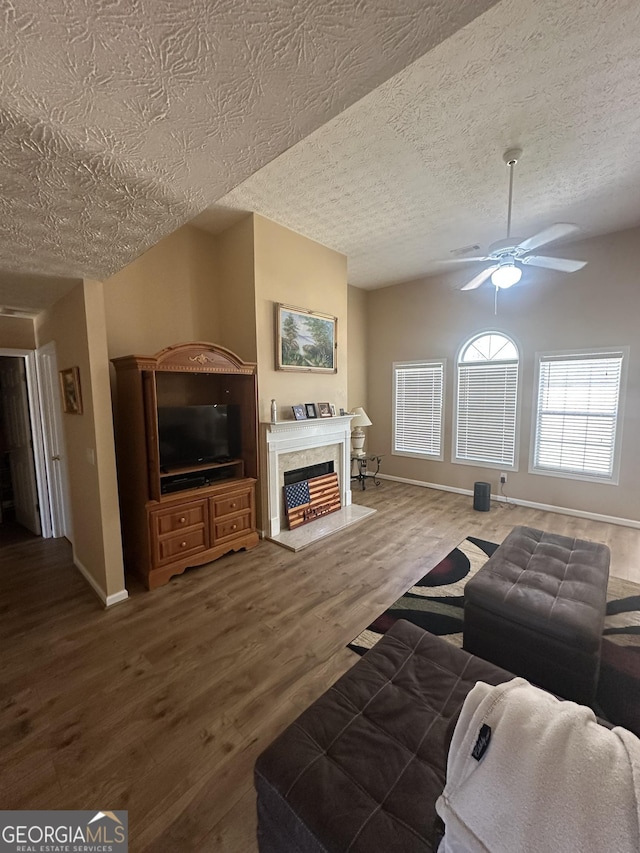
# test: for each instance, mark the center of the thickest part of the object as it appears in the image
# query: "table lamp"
(357, 436)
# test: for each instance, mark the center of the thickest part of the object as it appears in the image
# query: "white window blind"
(486, 412)
(577, 414)
(417, 408)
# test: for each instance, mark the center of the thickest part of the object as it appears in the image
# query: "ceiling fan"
(507, 255)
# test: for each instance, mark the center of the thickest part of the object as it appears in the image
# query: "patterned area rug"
(436, 603)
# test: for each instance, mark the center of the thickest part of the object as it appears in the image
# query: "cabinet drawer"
(183, 544)
(232, 503)
(235, 525)
(171, 520)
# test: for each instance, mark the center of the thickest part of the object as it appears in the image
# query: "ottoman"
(537, 608)
(361, 769)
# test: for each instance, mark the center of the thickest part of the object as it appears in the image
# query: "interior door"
(15, 404)
(54, 447)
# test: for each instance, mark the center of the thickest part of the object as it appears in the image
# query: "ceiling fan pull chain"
(495, 302)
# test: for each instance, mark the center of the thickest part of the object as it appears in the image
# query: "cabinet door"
(230, 504)
(173, 520)
(173, 548)
(232, 514)
(230, 527)
(151, 430)
(178, 531)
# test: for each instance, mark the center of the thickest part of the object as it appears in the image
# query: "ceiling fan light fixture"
(506, 275)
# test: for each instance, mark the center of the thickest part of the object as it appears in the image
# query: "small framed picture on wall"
(70, 390)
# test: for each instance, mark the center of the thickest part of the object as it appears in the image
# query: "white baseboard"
(107, 600)
(578, 513)
(116, 597)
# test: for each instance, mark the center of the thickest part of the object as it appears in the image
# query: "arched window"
(486, 401)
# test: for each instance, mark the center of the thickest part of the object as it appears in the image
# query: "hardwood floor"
(161, 704)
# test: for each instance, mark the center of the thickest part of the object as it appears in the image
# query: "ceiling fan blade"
(548, 235)
(561, 264)
(480, 278)
(475, 260)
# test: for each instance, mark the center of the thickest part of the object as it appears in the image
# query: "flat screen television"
(197, 435)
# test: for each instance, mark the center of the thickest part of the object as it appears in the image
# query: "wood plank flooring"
(161, 704)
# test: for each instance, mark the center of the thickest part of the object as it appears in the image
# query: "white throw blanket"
(550, 779)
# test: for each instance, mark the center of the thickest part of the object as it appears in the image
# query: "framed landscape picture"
(305, 340)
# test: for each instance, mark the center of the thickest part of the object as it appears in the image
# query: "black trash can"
(482, 496)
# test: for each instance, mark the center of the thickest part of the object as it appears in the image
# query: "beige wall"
(596, 307)
(357, 349)
(17, 333)
(166, 296)
(237, 290)
(294, 270)
(77, 325)
(194, 286)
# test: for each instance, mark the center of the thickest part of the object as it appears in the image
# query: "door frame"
(37, 439)
(54, 441)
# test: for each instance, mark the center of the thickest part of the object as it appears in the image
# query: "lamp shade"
(361, 418)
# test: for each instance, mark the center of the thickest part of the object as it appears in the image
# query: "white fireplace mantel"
(299, 436)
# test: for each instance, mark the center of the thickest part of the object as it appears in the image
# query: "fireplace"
(307, 473)
(291, 445)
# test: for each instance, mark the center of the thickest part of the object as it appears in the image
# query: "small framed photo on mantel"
(299, 412)
(311, 410)
(324, 410)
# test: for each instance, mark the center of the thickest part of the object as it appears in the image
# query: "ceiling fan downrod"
(511, 157)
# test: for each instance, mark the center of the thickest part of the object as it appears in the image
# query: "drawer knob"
(233, 505)
(233, 526)
(183, 520)
(183, 544)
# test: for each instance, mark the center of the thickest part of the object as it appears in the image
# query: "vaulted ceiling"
(374, 128)
(414, 171)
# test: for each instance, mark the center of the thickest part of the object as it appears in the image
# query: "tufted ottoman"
(537, 608)
(361, 769)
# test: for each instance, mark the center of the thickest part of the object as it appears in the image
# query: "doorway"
(18, 487)
(33, 491)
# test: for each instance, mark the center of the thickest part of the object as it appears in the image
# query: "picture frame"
(305, 340)
(299, 412)
(333, 411)
(70, 390)
(311, 410)
(324, 410)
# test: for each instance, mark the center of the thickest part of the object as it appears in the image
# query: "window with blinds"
(485, 427)
(418, 393)
(576, 416)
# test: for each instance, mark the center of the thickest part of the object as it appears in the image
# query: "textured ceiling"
(414, 170)
(27, 295)
(122, 119)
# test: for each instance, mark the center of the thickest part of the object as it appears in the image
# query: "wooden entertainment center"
(176, 517)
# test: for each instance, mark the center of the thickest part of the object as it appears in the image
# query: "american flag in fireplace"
(310, 499)
(296, 494)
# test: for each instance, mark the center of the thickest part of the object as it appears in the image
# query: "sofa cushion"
(361, 769)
